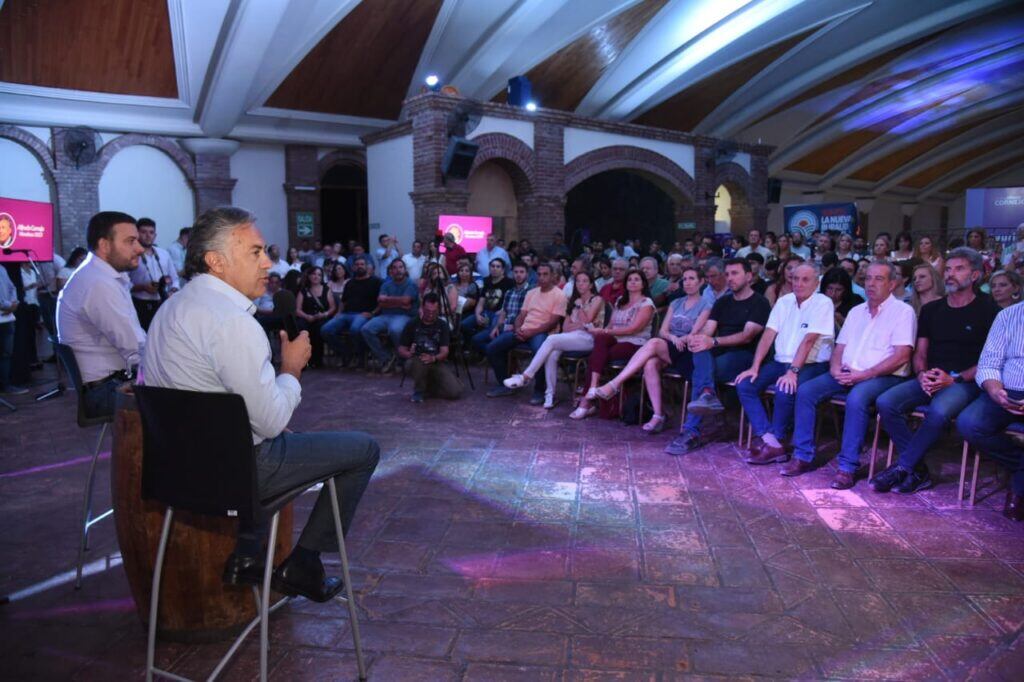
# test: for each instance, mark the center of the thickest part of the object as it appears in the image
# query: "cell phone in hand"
(291, 327)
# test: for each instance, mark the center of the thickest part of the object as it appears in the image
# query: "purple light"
(49, 467)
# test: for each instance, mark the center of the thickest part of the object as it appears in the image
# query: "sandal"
(656, 424)
(583, 412)
(604, 393)
(591, 394)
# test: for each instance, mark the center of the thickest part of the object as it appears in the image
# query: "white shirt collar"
(208, 281)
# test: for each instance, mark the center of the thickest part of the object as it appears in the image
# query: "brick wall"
(301, 188)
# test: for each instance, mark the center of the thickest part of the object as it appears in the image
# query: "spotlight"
(432, 81)
(531, 106)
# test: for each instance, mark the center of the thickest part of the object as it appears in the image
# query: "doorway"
(343, 205)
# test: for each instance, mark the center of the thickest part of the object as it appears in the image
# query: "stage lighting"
(531, 106)
(433, 82)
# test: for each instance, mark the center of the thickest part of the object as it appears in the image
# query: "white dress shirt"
(177, 253)
(96, 317)
(485, 256)
(414, 264)
(746, 251)
(151, 268)
(791, 321)
(8, 296)
(281, 267)
(205, 338)
(870, 340)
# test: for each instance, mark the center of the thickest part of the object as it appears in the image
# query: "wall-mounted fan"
(81, 145)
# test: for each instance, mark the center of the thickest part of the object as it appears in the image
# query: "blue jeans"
(470, 329)
(292, 459)
(785, 403)
(708, 369)
(392, 324)
(6, 351)
(497, 354)
(942, 408)
(341, 323)
(982, 423)
(859, 400)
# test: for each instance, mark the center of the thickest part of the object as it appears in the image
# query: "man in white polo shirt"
(872, 355)
(801, 326)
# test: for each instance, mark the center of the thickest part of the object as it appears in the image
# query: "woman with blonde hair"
(927, 286)
(1006, 287)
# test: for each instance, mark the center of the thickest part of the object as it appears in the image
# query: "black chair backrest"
(66, 357)
(284, 303)
(197, 452)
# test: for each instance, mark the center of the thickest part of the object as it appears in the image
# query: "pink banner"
(26, 229)
(470, 231)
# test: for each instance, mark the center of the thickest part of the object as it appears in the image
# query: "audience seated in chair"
(358, 302)
(872, 354)
(613, 290)
(801, 328)
(723, 348)
(95, 313)
(584, 311)
(1000, 374)
(490, 302)
(684, 317)
(314, 306)
(424, 346)
(542, 310)
(628, 329)
(205, 339)
(396, 305)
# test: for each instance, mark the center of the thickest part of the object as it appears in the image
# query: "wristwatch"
(714, 342)
(794, 369)
(957, 379)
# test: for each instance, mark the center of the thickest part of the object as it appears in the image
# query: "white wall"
(389, 182)
(143, 181)
(259, 170)
(579, 141)
(21, 174)
(522, 130)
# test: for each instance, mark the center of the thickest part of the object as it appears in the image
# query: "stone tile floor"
(502, 542)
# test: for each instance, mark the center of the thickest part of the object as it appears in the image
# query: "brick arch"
(666, 173)
(739, 183)
(354, 157)
(38, 148)
(164, 144)
(513, 155)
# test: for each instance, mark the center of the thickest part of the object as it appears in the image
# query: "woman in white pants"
(584, 311)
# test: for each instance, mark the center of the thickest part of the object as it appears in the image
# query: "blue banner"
(811, 218)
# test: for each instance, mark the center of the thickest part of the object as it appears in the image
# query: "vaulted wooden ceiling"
(879, 96)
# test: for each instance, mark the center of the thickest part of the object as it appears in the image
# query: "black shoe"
(417, 397)
(536, 399)
(890, 478)
(918, 479)
(243, 570)
(683, 443)
(305, 579)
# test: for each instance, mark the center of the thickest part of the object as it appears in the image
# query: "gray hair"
(674, 257)
(716, 263)
(210, 233)
(970, 255)
(621, 261)
(894, 271)
(652, 259)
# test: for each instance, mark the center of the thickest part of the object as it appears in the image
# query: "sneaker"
(890, 478)
(706, 403)
(683, 443)
(499, 392)
(537, 399)
(515, 381)
(549, 401)
(417, 397)
(918, 479)
(15, 390)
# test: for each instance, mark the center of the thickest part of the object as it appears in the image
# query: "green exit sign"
(304, 224)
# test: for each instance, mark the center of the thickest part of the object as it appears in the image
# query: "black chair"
(209, 468)
(66, 357)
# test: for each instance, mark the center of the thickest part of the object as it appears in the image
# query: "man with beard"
(950, 335)
(797, 246)
(95, 315)
(358, 302)
(155, 277)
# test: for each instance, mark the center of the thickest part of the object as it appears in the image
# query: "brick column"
(213, 183)
(78, 196)
(758, 190)
(301, 189)
(704, 184)
(543, 213)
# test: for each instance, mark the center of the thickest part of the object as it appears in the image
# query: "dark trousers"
(942, 408)
(436, 379)
(25, 319)
(6, 352)
(982, 423)
(99, 398)
(292, 459)
(145, 310)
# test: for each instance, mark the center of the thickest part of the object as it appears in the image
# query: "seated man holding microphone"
(206, 339)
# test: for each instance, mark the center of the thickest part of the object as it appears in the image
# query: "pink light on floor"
(50, 467)
(90, 608)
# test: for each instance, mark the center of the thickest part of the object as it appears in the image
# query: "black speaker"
(519, 91)
(774, 190)
(458, 158)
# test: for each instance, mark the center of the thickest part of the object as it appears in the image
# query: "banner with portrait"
(811, 218)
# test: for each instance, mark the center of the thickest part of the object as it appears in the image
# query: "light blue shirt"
(484, 258)
(1002, 358)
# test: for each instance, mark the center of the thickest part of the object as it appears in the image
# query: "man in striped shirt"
(1001, 375)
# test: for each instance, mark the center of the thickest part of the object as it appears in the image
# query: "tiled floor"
(499, 541)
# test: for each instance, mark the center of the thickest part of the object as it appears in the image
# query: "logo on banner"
(455, 230)
(8, 230)
(803, 221)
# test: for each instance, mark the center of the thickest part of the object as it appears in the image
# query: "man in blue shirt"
(485, 256)
(396, 305)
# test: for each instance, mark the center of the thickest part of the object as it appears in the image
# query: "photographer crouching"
(206, 339)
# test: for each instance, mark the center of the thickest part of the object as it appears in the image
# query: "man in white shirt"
(277, 264)
(797, 246)
(206, 339)
(95, 314)
(177, 250)
(872, 354)
(754, 246)
(485, 256)
(8, 304)
(387, 251)
(414, 261)
(801, 327)
(155, 278)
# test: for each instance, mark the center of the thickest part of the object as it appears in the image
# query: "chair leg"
(357, 641)
(684, 399)
(974, 476)
(264, 613)
(154, 598)
(963, 473)
(643, 386)
(739, 442)
(83, 544)
(874, 447)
